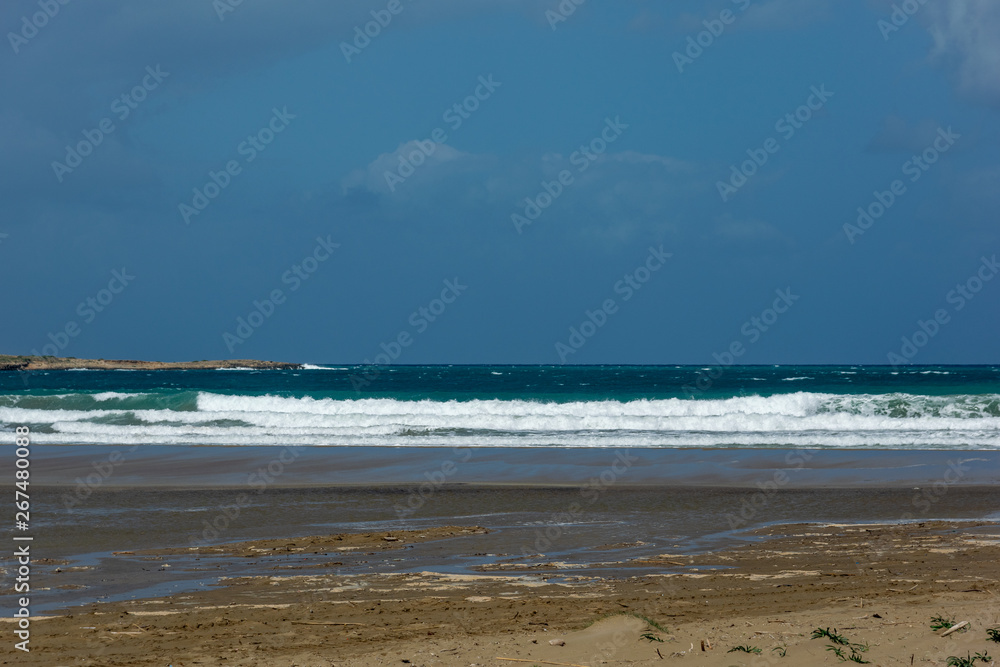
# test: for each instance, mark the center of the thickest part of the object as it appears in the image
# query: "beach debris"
(948, 624)
(954, 628)
(706, 645)
(557, 642)
(322, 623)
(390, 538)
(897, 590)
(540, 662)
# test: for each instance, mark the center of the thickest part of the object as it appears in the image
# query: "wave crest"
(800, 419)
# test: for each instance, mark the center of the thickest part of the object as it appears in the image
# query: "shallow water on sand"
(569, 526)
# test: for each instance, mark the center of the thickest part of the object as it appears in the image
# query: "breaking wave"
(801, 419)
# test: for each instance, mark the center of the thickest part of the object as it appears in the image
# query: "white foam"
(801, 419)
(112, 395)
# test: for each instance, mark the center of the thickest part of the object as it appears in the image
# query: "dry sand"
(878, 585)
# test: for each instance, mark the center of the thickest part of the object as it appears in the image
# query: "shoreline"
(230, 466)
(606, 530)
(879, 584)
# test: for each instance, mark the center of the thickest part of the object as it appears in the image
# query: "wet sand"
(188, 466)
(577, 525)
(181, 556)
(876, 585)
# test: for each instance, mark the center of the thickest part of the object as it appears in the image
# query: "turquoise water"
(912, 407)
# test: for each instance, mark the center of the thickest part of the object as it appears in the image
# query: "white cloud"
(967, 34)
(390, 173)
(617, 197)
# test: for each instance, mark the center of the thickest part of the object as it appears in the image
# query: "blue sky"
(206, 89)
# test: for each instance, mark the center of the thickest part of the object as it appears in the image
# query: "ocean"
(588, 465)
(836, 407)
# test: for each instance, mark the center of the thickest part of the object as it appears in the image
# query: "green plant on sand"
(745, 648)
(943, 623)
(968, 661)
(819, 633)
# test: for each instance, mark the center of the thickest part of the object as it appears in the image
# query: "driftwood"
(543, 662)
(322, 623)
(957, 626)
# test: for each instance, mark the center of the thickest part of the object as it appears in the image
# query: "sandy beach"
(878, 586)
(402, 568)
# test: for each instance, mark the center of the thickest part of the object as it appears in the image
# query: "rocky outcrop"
(30, 363)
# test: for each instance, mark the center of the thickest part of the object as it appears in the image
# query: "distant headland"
(34, 363)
